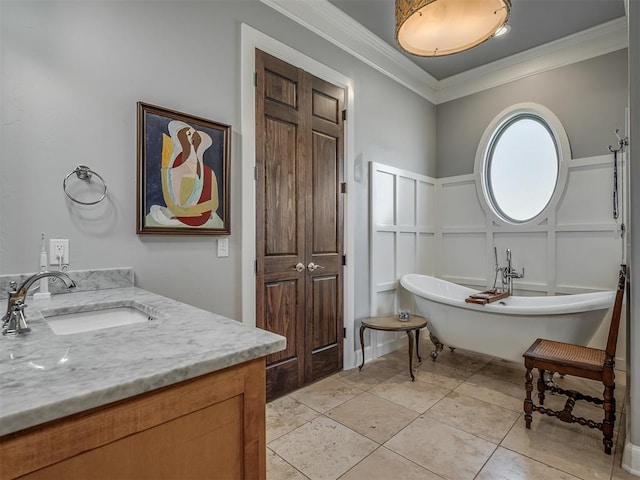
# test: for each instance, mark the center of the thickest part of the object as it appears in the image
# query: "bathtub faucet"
(509, 273)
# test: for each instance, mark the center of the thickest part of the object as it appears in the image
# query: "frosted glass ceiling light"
(434, 28)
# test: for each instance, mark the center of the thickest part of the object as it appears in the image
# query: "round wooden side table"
(391, 323)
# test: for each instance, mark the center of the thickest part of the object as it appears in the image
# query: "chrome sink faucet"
(509, 273)
(14, 322)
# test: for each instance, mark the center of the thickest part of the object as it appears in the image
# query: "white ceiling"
(533, 23)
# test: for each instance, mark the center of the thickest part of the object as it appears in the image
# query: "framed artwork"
(182, 174)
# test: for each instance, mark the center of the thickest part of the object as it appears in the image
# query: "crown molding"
(332, 24)
(606, 38)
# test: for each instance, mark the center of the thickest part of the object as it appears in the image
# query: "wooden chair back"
(612, 339)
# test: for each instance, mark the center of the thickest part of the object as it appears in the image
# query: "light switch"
(223, 247)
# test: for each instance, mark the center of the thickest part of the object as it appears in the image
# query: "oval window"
(521, 168)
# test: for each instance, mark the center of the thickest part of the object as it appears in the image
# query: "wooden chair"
(576, 360)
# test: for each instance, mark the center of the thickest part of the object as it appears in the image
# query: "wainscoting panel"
(384, 198)
(385, 264)
(406, 213)
(438, 227)
(408, 254)
(403, 217)
(403, 223)
(527, 248)
(462, 258)
(587, 260)
(428, 212)
(386, 302)
(596, 179)
(426, 262)
(458, 203)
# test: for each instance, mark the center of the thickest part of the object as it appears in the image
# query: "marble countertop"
(44, 376)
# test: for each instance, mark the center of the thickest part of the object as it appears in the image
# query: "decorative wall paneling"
(439, 227)
(576, 249)
(579, 242)
(402, 223)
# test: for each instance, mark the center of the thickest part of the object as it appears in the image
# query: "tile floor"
(461, 419)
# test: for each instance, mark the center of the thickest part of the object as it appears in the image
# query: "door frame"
(250, 40)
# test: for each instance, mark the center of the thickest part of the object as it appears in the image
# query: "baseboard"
(380, 350)
(631, 459)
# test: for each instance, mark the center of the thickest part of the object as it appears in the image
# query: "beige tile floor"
(461, 419)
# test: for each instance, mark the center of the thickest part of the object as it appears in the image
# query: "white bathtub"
(506, 328)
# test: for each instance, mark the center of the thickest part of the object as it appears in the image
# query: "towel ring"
(84, 173)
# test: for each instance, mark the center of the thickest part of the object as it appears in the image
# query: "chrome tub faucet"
(508, 273)
(14, 322)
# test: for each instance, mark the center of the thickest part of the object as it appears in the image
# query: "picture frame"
(182, 173)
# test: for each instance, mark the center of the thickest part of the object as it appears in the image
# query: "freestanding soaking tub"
(508, 327)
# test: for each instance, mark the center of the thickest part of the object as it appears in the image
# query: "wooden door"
(299, 221)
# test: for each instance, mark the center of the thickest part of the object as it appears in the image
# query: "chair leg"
(613, 407)
(609, 418)
(528, 404)
(541, 387)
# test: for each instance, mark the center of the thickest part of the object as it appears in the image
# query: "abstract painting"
(183, 173)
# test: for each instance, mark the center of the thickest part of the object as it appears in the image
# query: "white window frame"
(480, 168)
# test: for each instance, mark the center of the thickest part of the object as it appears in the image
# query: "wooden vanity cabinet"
(211, 427)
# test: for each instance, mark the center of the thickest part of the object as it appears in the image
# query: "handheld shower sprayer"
(496, 268)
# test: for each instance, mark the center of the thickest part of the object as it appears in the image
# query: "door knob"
(299, 267)
(312, 267)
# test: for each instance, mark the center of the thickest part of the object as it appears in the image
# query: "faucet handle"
(21, 321)
(19, 306)
(14, 322)
(14, 286)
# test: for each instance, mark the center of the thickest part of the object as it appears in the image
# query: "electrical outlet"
(223, 247)
(58, 250)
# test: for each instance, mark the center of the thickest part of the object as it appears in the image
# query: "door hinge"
(255, 79)
(255, 173)
(344, 259)
(344, 115)
(255, 266)
(343, 187)
(344, 332)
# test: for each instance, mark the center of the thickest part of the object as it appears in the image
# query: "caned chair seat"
(577, 360)
(574, 356)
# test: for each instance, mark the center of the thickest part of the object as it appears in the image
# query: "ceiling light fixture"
(434, 28)
(503, 30)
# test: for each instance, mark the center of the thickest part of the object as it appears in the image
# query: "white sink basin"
(70, 323)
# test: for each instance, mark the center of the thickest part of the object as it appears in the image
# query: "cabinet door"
(203, 444)
(209, 427)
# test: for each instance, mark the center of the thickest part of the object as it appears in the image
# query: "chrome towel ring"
(84, 173)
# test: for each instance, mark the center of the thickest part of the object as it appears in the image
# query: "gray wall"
(588, 97)
(73, 72)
